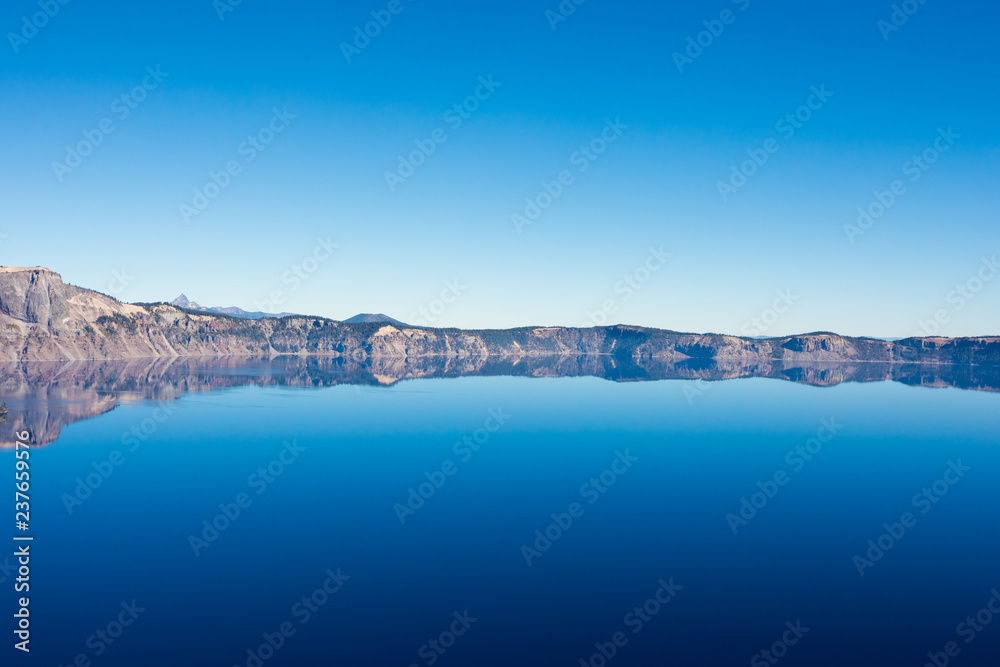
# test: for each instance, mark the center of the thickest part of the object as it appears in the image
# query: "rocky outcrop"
(42, 318)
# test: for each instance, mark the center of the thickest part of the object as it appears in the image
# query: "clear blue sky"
(656, 184)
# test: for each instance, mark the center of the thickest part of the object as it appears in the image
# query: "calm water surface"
(416, 507)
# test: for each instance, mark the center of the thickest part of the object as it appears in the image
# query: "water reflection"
(43, 397)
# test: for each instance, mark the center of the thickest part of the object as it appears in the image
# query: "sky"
(722, 166)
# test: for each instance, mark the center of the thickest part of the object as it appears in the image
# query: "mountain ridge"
(183, 302)
(42, 318)
(374, 317)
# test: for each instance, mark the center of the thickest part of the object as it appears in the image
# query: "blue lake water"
(640, 477)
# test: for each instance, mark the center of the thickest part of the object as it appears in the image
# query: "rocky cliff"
(42, 318)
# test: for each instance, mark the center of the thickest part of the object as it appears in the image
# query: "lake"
(258, 514)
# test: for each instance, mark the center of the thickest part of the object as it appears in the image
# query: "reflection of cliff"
(45, 396)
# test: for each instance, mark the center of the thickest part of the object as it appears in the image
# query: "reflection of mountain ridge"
(45, 396)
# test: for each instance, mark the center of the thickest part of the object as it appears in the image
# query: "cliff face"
(38, 297)
(42, 318)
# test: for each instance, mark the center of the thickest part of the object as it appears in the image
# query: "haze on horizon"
(239, 153)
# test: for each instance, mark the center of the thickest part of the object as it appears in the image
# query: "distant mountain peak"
(373, 317)
(183, 302)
